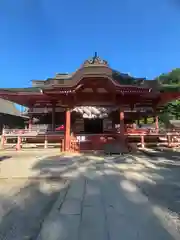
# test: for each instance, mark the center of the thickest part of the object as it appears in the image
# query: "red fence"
(88, 141)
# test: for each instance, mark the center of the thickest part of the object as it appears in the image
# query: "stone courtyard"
(45, 195)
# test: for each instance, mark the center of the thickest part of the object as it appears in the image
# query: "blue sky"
(42, 37)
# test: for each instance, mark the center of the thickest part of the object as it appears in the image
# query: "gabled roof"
(7, 107)
(93, 67)
(98, 67)
(93, 76)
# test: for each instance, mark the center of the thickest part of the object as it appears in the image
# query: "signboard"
(81, 138)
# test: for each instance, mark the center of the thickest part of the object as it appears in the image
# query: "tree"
(172, 109)
(172, 77)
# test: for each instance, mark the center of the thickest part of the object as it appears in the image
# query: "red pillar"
(3, 139)
(122, 123)
(142, 141)
(156, 119)
(18, 145)
(30, 123)
(67, 130)
(53, 117)
(157, 123)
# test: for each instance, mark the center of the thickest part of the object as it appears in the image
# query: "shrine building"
(95, 100)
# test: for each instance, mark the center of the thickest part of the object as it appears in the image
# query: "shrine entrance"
(93, 126)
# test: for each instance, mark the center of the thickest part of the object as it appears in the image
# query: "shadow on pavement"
(2, 158)
(109, 207)
(159, 178)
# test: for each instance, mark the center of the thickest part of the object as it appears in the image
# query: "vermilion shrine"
(120, 98)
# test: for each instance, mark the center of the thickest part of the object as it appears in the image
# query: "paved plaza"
(85, 197)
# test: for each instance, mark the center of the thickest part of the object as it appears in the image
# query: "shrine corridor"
(85, 197)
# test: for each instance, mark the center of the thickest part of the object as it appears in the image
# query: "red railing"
(19, 132)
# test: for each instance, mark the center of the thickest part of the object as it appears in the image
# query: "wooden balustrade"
(18, 132)
(96, 141)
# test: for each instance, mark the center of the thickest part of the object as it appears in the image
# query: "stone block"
(93, 224)
(71, 207)
(60, 227)
(76, 189)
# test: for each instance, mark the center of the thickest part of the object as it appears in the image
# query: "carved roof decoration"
(95, 60)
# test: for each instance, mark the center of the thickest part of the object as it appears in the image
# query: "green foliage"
(171, 110)
(170, 82)
(150, 120)
(171, 78)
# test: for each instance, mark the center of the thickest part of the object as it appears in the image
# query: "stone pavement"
(101, 203)
(24, 205)
(100, 200)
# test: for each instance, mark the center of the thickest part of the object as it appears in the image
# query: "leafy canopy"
(172, 77)
(172, 109)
